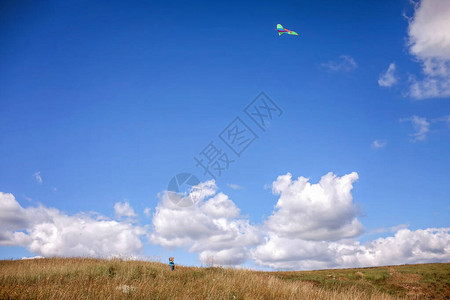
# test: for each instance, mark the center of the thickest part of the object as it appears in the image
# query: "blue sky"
(103, 103)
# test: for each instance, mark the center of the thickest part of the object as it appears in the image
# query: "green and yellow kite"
(282, 30)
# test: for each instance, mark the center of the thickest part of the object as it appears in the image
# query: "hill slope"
(78, 278)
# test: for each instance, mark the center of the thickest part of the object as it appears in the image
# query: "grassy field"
(78, 278)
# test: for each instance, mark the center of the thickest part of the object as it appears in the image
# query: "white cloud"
(12, 215)
(220, 206)
(445, 119)
(212, 228)
(420, 125)
(33, 257)
(267, 186)
(388, 79)
(398, 227)
(27, 198)
(147, 211)
(234, 186)
(390, 229)
(49, 232)
(378, 144)
(429, 42)
(429, 87)
(428, 30)
(406, 247)
(124, 210)
(194, 195)
(322, 211)
(37, 177)
(346, 63)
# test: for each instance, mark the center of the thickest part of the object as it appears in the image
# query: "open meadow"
(82, 278)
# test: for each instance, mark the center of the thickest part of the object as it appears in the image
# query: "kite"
(282, 30)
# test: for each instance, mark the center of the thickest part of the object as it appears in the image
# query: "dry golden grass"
(80, 278)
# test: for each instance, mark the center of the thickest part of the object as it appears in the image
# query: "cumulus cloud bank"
(316, 230)
(312, 226)
(405, 247)
(49, 232)
(429, 42)
(212, 228)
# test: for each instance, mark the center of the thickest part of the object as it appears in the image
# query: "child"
(172, 265)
